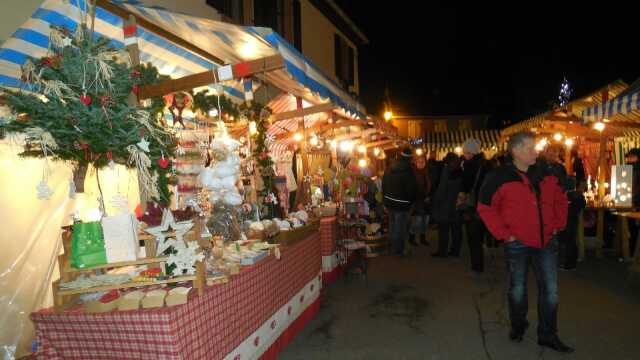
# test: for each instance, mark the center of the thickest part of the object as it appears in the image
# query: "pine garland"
(80, 96)
(263, 158)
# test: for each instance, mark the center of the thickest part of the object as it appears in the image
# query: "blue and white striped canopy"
(625, 105)
(228, 42)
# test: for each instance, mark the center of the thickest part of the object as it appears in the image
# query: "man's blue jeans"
(398, 230)
(544, 262)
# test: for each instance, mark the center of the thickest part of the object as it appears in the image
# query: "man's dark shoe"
(517, 335)
(556, 345)
(423, 240)
(413, 241)
(438, 255)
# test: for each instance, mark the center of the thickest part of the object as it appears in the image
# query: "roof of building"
(341, 20)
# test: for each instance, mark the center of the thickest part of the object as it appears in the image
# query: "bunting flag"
(130, 35)
(248, 89)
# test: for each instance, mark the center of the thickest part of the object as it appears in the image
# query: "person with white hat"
(474, 168)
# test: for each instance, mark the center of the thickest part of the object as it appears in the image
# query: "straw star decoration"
(161, 232)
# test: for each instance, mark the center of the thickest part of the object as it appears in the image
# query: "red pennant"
(241, 70)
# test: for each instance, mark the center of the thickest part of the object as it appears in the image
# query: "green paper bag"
(87, 245)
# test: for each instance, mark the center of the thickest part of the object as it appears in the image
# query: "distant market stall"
(441, 143)
(599, 142)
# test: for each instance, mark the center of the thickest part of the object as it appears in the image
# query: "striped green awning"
(443, 142)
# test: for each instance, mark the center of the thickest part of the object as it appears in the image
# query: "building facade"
(417, 126)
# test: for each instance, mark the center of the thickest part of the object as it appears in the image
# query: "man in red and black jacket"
(522, 204)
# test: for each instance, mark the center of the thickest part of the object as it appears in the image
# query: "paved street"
(426, 308)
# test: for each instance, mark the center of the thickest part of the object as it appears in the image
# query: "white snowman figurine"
(221, 176)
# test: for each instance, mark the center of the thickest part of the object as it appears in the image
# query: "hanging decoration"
(78, 100)
(565, 92)
(176, 104)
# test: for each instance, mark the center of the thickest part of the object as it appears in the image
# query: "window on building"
(464, 124)
(269, 13)
(297, 25)
(344, 61)
(440, 126)
(233, 9)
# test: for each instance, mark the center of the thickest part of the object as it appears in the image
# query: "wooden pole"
(568, 161)
(601, 190)
(301, 194)
(129, 28)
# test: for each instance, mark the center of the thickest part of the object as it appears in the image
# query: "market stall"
(193, 142)
(623, 110)
(597, 146)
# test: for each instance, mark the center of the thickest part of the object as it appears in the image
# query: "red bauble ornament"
(46, 61)
(135, 74)
(109, 155)
(135, 89)
(85, 99)
(163, 162)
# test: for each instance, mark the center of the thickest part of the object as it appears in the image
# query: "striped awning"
(228, 42)
(444, 142)
(624, 107)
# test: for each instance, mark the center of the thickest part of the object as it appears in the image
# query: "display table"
(328, 250)
(256, 314)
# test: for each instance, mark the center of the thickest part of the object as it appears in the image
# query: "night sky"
(484, 57)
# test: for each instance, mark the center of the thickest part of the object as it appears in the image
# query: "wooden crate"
(63, 298)
(378, 244)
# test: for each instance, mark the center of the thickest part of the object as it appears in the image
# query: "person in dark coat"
(633, 158)
(444, 206)
(434, 169)
(420, 216)
(399, 191)
(474, 168)
(568, 254)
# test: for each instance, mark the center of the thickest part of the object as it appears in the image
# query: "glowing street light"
(557, 137)
(568, 142)
(419, 152)
(388, 115)
(458, 150)
(297, 137)
(376, 151)
(599, 126)
(362, 163)
(362, 149)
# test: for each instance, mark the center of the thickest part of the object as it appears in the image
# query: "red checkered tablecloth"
(328, 233)
(207, 327)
